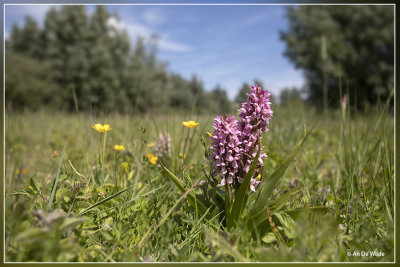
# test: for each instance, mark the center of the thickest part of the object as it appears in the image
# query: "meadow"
(71, 196)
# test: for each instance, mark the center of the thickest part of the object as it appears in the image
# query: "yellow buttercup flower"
(153, 159)
(190, 124)
(24, 171)
(150, 145)
(101, 128)
(119, 147)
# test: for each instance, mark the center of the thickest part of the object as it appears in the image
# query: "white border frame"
(195, 4)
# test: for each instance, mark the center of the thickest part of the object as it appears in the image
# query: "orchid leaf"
(240, 197)
(197, 203)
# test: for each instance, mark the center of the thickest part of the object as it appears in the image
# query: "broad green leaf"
(240, 197)
(32, 235)
(269, 238)
(287, 223)
(109, 221)
(72, 222)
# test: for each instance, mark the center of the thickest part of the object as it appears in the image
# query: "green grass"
(343, 173)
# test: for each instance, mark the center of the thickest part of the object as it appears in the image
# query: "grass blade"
(259, 217)
(280, 202)
(104, 200)
(193, 200)
(53, 191)
(150, 232)
(271, 182)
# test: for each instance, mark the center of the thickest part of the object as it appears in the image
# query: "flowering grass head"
(102, 128)
(190, 124)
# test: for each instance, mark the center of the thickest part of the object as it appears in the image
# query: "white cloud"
(232, 87)
(290, 78)
(251, 20)
(135, 29)
(116, 24)
(172, 46)
(274, 84)
(153, 16)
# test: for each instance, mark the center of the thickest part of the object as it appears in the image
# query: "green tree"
(102, 75)
(246, 89)
(220, 101)
(197, 90)
(120, 49)
(150, 79)
(351, 42)
(28, 83)
(290, 96)
(66, 34)
(181, 97)
(94, 56)
(242, 94)
(28, 40)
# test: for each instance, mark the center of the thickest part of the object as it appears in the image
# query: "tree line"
(348, 48)
(81, 61)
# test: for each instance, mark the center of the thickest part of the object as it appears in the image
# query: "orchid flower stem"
(228, 199)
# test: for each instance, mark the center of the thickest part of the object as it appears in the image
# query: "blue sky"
(225, 45)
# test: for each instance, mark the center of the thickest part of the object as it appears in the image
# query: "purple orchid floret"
(255, 114)
(235, 144)
(226, 148)
(163, 148)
